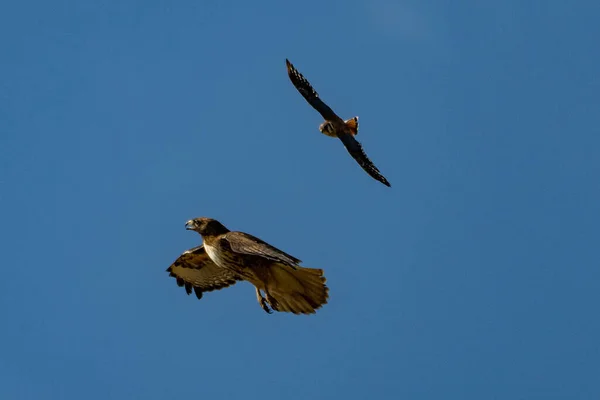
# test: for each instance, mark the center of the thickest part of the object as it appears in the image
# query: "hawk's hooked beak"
(190, 225)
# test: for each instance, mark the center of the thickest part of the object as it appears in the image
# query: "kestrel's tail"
(300, 291)
(352, 123)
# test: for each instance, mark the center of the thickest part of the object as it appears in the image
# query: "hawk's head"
(327, 128)
(206, 226)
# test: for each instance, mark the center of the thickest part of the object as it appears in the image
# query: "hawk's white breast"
(214, 255)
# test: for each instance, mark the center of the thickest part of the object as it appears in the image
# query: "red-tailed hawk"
(334, 126)
(227, 257)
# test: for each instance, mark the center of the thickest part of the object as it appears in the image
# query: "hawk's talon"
(263, 303)
(266, 307)
(274, 304)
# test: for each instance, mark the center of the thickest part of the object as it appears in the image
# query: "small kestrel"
(334, 126)
(226, 257)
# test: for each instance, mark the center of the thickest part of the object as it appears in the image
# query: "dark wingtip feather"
(290, 68)
(378, 176)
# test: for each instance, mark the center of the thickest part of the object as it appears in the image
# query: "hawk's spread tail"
(352, 124)
(300, 291)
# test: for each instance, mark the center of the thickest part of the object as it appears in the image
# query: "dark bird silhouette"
(334, 126)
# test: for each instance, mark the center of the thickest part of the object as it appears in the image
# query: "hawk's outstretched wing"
(356, 151)
(245, 243)
(195, 270)
(310, 94)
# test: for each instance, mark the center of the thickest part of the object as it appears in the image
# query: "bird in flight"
(226, 257)
(334, 126)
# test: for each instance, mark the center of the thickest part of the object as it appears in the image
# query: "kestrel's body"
(232, 256)
(334, 126)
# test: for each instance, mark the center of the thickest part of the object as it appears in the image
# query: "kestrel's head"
(206, 226)
(327, 128)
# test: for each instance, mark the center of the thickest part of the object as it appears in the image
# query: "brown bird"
(334, 126)
(226, 257)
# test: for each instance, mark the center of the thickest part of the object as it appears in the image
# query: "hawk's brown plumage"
(335, 126)
(227, 256)
(195, 270)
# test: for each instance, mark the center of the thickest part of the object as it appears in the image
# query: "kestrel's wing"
(310, 94)
(244, 243)
(356, 151)
(195, 270)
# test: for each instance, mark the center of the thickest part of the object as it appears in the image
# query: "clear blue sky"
(476, 276)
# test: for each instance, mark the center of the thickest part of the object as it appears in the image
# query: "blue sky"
(476, 276)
